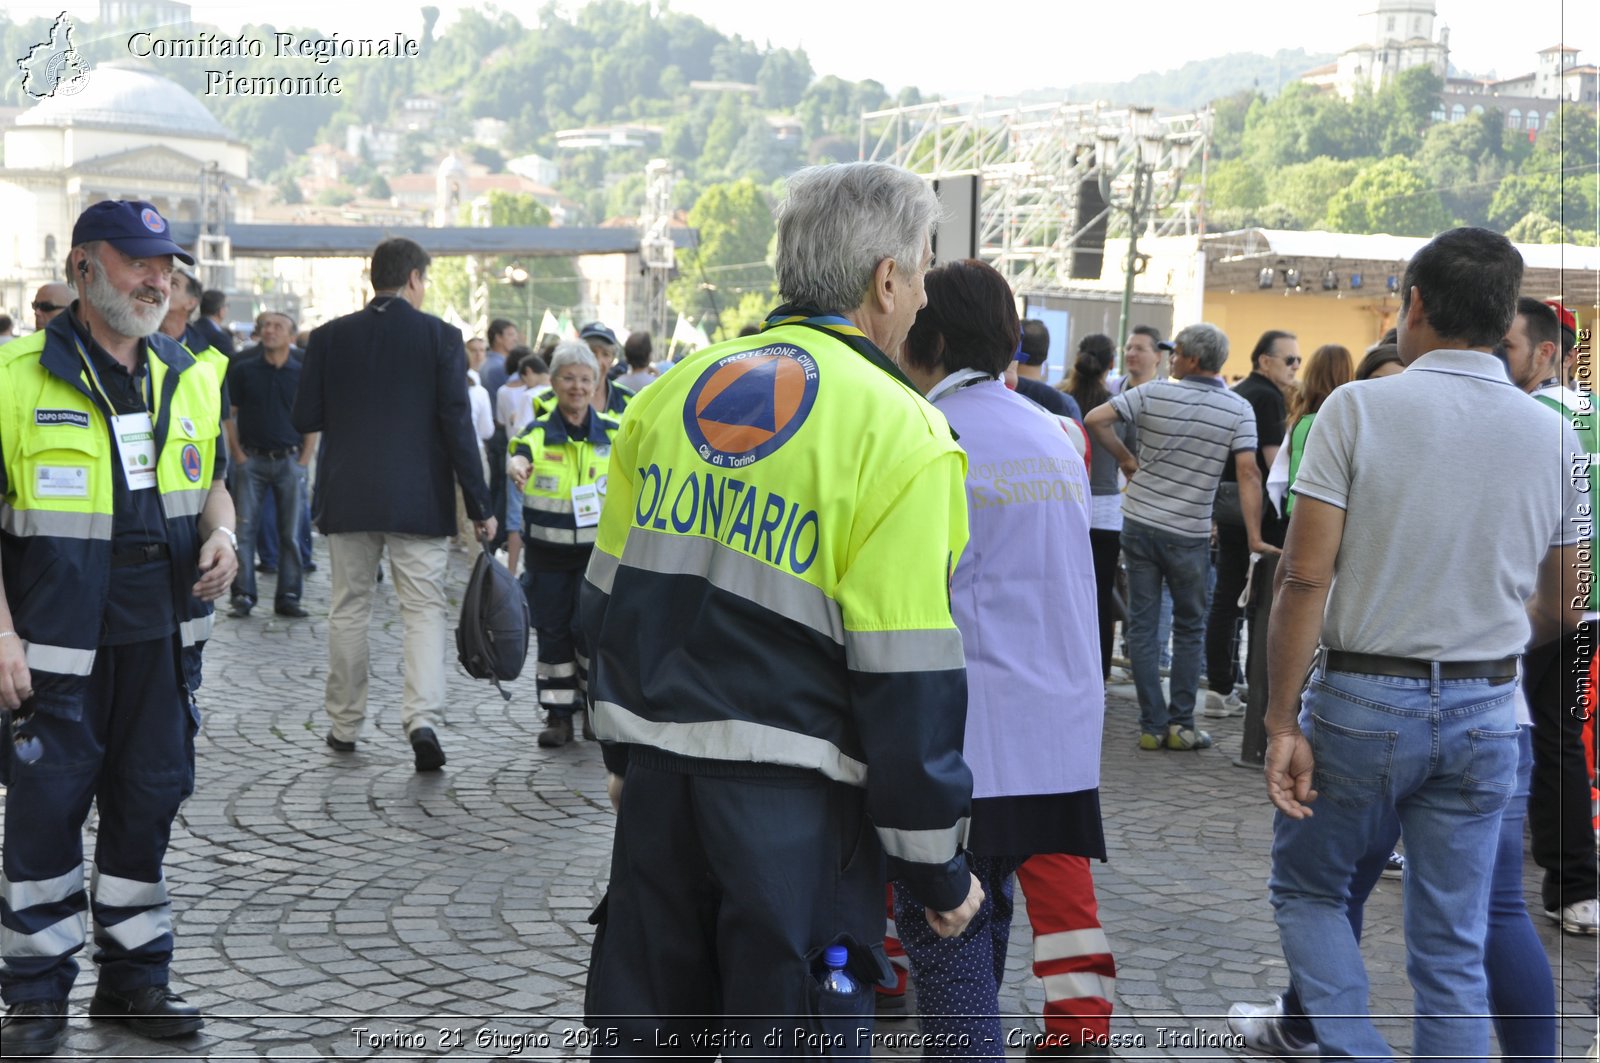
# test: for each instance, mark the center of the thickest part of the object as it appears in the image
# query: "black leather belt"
(1411, 668)
(140, 555)
(273, 455)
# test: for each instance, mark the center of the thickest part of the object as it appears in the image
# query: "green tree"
(1298, 126)
(783, 78)
(1306, 188)
(735, 225)
(1390, 196)
(1535, 228)
(1236, 183)
(1466, 162)
(1227, 122)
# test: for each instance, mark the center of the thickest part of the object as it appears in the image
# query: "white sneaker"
(1581, 917)
(1262, 1029)
(1220, 708)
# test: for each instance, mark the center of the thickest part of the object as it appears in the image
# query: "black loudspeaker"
(1088, 255)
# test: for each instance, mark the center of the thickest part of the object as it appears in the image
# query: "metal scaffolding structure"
(656, 248)
(1034, 160)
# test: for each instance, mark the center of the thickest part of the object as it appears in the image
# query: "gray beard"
(124, 314)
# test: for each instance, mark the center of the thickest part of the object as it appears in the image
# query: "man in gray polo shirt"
(1189, 428)
(1421, 618)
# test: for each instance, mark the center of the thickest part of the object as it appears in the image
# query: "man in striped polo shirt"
(1189, 428)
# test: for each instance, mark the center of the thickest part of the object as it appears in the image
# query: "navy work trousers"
(131, 753)
(724, 890)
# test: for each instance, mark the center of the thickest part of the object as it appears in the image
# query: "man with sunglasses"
(49, 301)
(1273, 364)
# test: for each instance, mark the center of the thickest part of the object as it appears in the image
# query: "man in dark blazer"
(386, 387)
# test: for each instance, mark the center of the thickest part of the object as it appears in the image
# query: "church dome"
(126, 96)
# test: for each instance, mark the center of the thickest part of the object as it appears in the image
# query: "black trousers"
(497, 482)
(1555, 676)
(1105, 545)
(1222, 627)
(723, 891)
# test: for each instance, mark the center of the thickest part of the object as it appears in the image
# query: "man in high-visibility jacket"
(774, 672)
(116, 534)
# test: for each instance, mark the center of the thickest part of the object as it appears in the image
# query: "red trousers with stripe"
(1071, 955)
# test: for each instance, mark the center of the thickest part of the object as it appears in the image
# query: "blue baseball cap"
(594, 330)
(132, 226)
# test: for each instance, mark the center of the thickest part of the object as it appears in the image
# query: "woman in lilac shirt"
(1023, 596)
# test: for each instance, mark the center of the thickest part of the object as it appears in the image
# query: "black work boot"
(34, 1027)
(152, 1010)
(557, 731)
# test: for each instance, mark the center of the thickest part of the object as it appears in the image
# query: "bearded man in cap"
(116, 534)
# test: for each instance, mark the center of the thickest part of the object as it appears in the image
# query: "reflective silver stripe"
(197, 630)
(738, 740)
(904, 651)
(1068, 944)
(29, 522)
(564, 536)
(141, 929)
(27, 894)
(557, 695)
(57, 939)
(547, 505)
(603, 570)
(924, 846)
(63, 660)
(555, 671)
(185, 503)
(1078, 985)
(739, 574)
(111, 891)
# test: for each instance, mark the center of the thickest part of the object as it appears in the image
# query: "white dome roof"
(126, 96)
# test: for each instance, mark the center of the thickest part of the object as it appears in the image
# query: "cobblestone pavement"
(343, 906)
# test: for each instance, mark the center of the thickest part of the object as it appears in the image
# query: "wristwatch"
(233, 540)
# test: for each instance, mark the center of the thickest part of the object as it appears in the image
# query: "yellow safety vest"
(58, 509)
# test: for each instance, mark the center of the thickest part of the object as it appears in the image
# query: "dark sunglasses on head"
(46, 308)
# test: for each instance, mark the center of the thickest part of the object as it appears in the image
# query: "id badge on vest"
(135, 436)
(586, 505)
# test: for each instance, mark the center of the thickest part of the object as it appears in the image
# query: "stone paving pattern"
(318, 894)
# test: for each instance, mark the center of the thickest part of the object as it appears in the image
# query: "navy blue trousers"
(131, 754)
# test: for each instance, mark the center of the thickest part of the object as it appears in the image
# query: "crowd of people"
(792, 586)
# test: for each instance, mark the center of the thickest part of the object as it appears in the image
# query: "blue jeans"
(1155, 557)
(1441, 755)
(267, 531)
(1521, 989)
(285, 478)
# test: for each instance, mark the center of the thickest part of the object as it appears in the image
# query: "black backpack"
(492, 640)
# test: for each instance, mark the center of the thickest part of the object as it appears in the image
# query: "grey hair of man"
(837, 223)
(1206, 344)
(573, 352)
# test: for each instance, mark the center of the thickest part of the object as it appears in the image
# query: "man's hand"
(518, 469)
(1129, 467)
(218, 565)
(16, 683)
(486, 528)
(614, 790)
(950, 924)
(1288, 769)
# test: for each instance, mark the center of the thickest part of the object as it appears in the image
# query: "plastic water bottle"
(836, 980)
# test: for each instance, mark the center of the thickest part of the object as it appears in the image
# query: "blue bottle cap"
(836, 957)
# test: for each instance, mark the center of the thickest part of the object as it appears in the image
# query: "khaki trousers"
(417, 566)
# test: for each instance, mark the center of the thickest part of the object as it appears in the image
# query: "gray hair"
(838, 222)
(573, 352)
(1206, 344)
